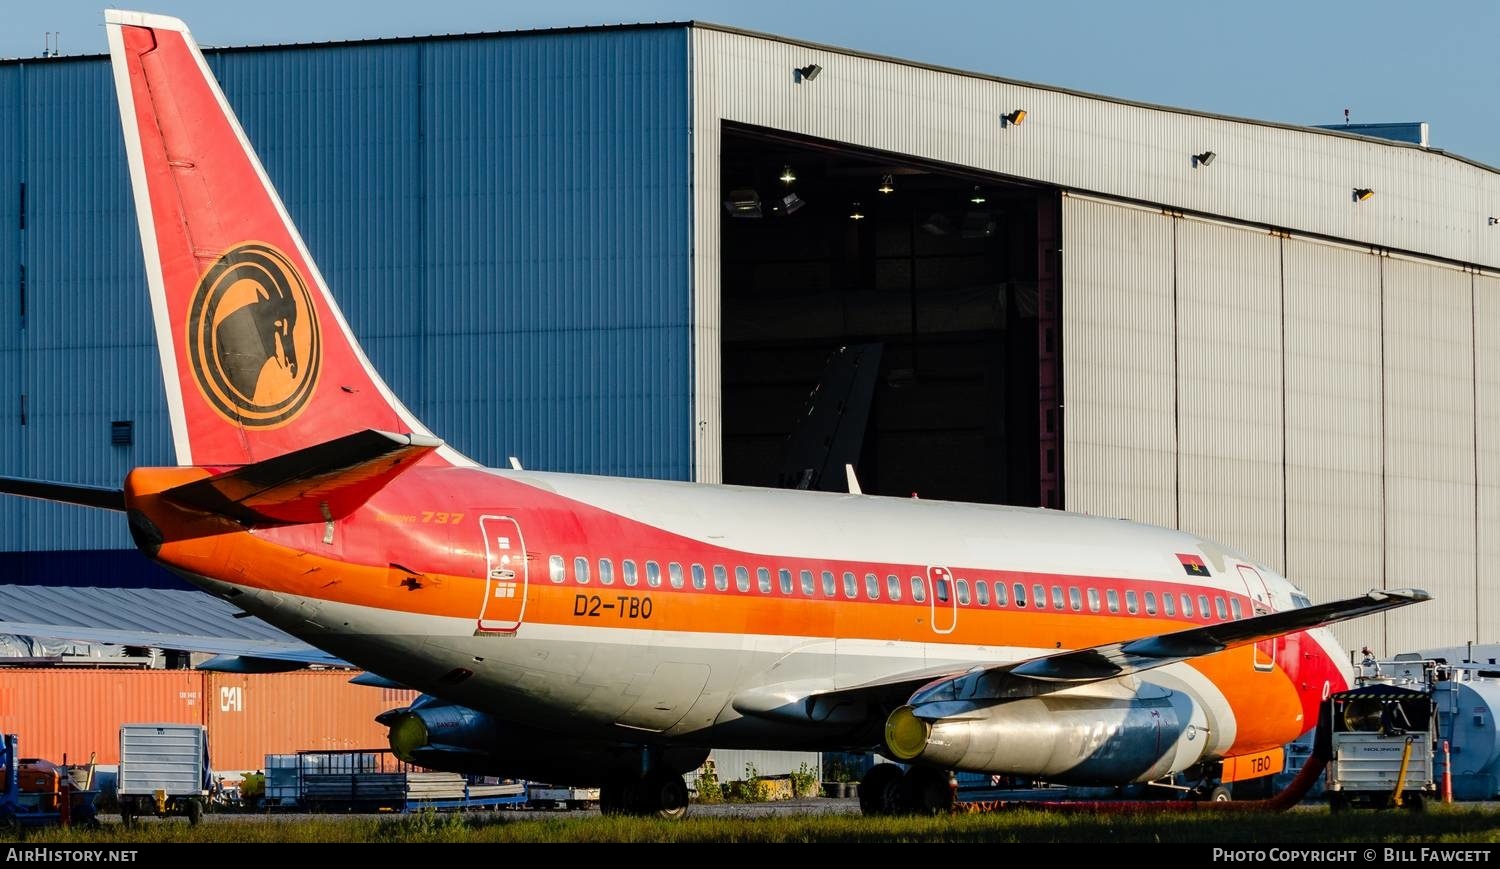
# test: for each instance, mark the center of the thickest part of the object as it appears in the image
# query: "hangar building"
(636, 250)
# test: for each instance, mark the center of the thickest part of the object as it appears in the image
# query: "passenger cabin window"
(627, 572)
(1020, 591)
(1169, 605)
(784, 576)
(851, 585)
(1132, 603)
(1187, 606)
(1038, 597)
(653, 574)
(721, 578)
(555, 568)
(1203, 605)
(1150, 603)
(872, 586)
(1001, 598)
(1075, 598)
(674, 574)
(763, 579)
(830, 585)
(581, 570)
(940, 589)
(606, 572)
(1219, 608)
(1234, 608)
(893, 587)
(807, 583)
(742, 578)
(1300, 601)
(1093, 600)
(1057, 598)
(1114, 599)
(700, 578)
(918, 589)
(963, 591)
(981, 592)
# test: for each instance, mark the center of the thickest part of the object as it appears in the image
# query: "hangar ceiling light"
(787, 175)
(977, 197)
(855, 212)
(743, 202)
(887, 185)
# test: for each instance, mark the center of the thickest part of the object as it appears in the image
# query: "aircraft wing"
(1108, 661)
(935, 692)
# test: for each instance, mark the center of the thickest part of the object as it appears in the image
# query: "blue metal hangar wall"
(635, 250)
(505, 221)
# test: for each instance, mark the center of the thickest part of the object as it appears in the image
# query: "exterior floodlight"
(1013, 119)
(1203, 159)
(787, 175)
(1362, 193)
(887, 184)
(808, 73)
(1494, 220)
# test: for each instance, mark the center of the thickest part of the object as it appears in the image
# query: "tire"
(928, 791)
(127, 814)
(194, 811)
(665, 795)
(1337, 803)
(612, 798)
(1415, 801)
(1220, 794)
(883, 791)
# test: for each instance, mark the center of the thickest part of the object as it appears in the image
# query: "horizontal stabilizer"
(314, 484)
(102, 497)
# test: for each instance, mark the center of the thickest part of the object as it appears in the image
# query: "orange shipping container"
(251, 716)
(76, 712)
(58, 712)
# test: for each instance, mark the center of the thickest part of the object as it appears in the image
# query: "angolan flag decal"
(1192, 564)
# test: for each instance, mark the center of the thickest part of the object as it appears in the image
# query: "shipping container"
(77, 713)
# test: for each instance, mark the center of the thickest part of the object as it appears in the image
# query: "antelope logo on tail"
(253, 337)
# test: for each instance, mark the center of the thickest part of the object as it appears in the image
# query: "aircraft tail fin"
(257, 358)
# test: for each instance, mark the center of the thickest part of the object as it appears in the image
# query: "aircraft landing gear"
(661, 794)
(887, 790)
(883, 790)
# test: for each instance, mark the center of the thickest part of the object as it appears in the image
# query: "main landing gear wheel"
(928, 791)
(1220, 794)
(664, 795)
(612, 798)
(883, 790)
(661, 794)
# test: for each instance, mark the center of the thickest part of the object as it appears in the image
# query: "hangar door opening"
(895, 315)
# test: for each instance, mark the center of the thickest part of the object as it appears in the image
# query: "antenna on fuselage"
(515, 464)
(854, 488)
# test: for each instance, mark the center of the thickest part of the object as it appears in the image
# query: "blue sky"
(1297, 62)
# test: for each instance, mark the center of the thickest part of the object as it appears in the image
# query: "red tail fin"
(257, 358)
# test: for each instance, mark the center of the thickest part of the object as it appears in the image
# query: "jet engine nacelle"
(444, 736)
(1065, 738)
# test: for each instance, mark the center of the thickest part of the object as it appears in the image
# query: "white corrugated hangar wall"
(1309, 403)
(1250, 352)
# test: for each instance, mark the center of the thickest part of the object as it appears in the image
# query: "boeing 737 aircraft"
(599, 630)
